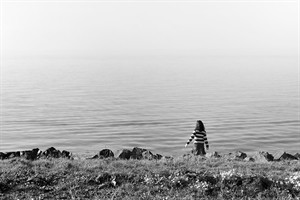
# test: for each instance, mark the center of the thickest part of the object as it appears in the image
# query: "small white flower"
(294, 179)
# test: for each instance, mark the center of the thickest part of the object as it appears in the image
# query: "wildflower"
(230, 173)
(147, 180)
(294, 179)
(201, 185)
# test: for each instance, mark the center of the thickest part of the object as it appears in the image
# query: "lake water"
(85, 105)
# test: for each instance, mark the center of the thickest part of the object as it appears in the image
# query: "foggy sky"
(149, 28)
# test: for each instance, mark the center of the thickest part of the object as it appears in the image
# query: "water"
(85, 105)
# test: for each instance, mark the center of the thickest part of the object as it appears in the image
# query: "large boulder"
(106, 153)
(55, 153)
(30, 154)
(124, 154)
(51, 153)
(262, 156)
(282, 155)
(137, 153)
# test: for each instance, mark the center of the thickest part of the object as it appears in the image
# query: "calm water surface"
(84, 105)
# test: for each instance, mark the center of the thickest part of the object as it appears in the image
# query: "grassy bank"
(178, 178)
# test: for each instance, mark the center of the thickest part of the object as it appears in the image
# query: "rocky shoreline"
(141, 174)
(140, 153)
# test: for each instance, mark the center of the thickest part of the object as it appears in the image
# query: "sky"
(106, 28)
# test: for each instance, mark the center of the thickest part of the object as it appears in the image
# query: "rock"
(106, 153)
(280, 156)
(238, 155)
(55, 153)
(13, 154)
(147, 155)
(30, 154)
(2, 156)
(262, 157)
(35, 154)
(249, 159)
(297, 155)
(66, 154)
(168, 157)
(94, 157)
(213, 155)
(51, 153)
(102, 178)
(137, 153)
(124, 154)
(157, 156)
(8, 155)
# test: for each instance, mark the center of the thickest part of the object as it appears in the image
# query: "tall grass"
(178, 178)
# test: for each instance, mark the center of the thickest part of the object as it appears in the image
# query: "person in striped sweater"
(200, 138)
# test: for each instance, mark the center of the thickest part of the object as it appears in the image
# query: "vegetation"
(178, 178)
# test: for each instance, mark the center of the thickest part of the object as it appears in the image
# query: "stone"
(13, 154)
(262, 156)
(35, 154)
(51, 153)
(240, 155)
(297, 155)
(102, 178)
(168, 157)
(66, 154)
(237, 155)
(2, 156)
(30, 154)
(280, 156)
(94, 157)
(147, 155)
(106, 153)
(137, 153)
(157, 156)
(124, 154)
(249, 159)
(213, 155)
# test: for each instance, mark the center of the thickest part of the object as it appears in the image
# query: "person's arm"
(190, 139)
(205, 141)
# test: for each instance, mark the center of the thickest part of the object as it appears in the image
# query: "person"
(200, 138)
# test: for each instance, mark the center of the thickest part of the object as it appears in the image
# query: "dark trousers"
(199, 149)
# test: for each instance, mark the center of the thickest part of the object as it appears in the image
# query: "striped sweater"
(199, 136)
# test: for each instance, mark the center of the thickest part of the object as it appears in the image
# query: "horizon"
(133, 28)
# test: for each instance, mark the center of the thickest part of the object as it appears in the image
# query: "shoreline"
(141, 153)
(184, 177)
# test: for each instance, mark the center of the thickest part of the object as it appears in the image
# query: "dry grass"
(179, 178)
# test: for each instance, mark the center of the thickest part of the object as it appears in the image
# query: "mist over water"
(85, 105)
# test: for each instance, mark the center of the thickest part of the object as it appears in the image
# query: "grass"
(179, 178)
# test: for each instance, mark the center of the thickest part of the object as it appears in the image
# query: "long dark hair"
(199, 126)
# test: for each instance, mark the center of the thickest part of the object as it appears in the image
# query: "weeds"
(180, 178)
